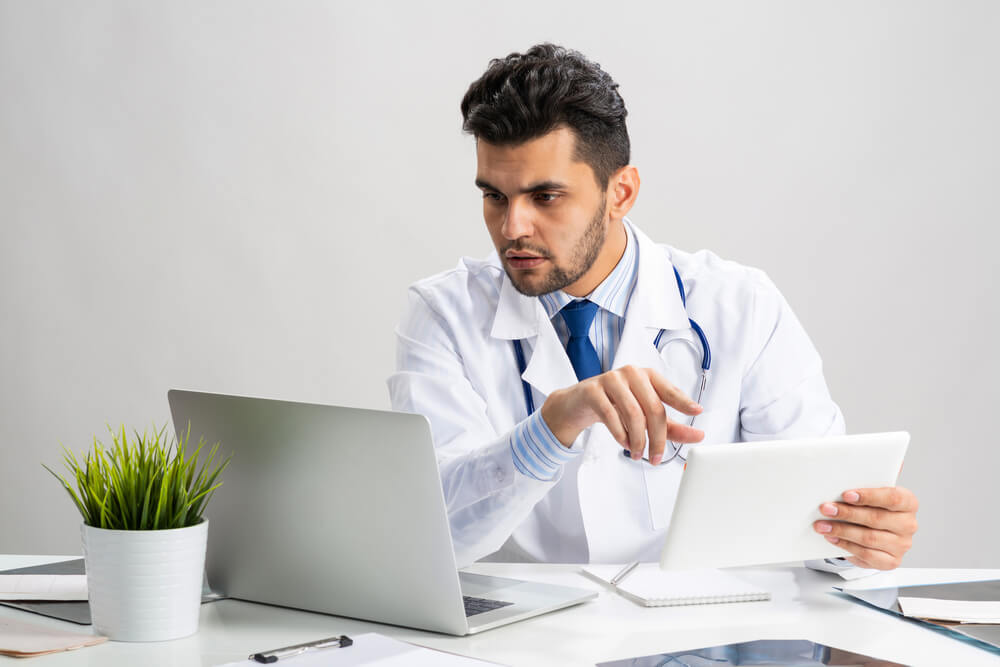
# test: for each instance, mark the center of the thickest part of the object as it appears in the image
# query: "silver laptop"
(340, 510)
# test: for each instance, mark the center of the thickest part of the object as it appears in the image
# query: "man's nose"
(517, 221)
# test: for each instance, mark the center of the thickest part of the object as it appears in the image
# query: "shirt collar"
(615, 290)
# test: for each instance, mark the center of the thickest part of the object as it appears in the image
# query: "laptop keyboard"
(475, 606)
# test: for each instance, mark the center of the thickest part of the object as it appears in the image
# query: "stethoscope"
(706, 365)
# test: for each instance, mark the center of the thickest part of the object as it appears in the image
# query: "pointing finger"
(671, 395)
(608, 414)
(631, 412)
(652, 407)
(683, 434)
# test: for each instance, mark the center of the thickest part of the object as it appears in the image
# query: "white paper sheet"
(959, 611)
(43, 587)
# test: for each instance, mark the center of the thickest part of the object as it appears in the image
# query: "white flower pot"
(145, 585)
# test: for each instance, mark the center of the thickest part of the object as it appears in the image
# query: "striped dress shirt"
(536, 452)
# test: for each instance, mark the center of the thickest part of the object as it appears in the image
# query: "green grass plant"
(143, 483)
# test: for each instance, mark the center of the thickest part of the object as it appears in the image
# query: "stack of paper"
(43, 587)
(957, 602)
(955, 611)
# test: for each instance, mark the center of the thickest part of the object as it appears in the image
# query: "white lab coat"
(456, 365)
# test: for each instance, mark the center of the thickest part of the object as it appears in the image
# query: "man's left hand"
(875, 525)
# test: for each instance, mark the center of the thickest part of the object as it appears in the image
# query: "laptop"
(751, 503)
(341, 511)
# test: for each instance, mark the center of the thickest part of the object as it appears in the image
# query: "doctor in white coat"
(529, 441)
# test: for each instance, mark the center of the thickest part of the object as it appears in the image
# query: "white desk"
(609, 627)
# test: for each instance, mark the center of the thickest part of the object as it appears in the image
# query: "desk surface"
(607, 628)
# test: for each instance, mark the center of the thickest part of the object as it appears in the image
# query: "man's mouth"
(523, 260)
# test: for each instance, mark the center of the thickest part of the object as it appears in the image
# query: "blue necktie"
(578, 316)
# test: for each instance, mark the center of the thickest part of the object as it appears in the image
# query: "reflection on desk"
(770, 652)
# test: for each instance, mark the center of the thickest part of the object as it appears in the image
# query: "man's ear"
(623, 188)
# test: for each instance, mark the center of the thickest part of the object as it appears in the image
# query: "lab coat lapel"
(655, 305)
(521, 317)
(612, 489)
(636, 347)
(550, 367)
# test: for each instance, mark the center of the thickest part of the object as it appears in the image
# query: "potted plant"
(144, 535)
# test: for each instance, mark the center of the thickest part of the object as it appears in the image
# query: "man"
(580, 315)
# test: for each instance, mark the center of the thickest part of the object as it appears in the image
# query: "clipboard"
(371, 648)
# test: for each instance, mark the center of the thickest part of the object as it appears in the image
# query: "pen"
(343, 641)
(625, 571)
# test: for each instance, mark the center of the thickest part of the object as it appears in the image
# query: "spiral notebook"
(650, 586)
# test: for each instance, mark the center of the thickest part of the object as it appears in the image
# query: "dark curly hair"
(524, 96)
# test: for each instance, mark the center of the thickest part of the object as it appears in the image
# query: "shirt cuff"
(536, 452)
(840, 566)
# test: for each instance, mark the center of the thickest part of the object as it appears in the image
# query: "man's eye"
(492, 196)
(546, 197)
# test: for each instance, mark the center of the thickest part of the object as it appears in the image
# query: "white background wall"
(233, 196)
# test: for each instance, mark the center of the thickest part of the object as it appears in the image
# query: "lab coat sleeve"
(486, 497)
(840, 566)
(785, 393)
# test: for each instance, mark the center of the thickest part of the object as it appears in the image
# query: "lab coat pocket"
(661, 491)
(662, 481)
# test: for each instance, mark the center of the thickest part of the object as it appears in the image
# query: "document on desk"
(372, 649)
(43, 587)
(956, 611)
(959, 602)
(963, 608)
(22, 640)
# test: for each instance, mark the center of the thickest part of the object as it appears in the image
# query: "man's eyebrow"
(541, 186)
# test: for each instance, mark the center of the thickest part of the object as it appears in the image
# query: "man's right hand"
(630, 402)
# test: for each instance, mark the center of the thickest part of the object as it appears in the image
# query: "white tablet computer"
(750, 503)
